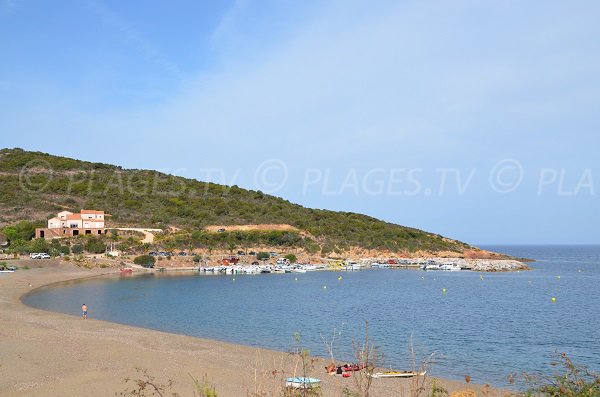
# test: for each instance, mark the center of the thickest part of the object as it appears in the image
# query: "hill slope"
(34, 186)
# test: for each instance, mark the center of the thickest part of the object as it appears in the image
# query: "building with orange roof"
(68, 224)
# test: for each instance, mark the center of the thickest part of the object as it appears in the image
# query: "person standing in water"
(84, 311)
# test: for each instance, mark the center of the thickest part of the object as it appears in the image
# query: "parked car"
(182, 253)
(221, 230)
(241, 253)
(39, 255)
(251, 253)
(153, 253)
(231, 260)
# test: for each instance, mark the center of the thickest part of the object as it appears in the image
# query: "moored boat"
(450, 267)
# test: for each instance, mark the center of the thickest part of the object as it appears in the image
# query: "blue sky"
(473, 119)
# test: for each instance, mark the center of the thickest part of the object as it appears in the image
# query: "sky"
(477, 120)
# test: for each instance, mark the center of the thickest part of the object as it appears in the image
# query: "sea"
(489, 326)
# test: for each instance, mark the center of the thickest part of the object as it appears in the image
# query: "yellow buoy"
(340, 278)
(324, 287)
(443, 290)
(558, 277)
(553, 299)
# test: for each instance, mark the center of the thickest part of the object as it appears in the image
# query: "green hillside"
(34, 186)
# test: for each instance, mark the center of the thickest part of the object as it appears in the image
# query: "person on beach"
(84, 311)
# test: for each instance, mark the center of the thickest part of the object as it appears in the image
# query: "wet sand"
(52, 354)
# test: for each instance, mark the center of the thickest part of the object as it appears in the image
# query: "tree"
(56, 250)
(95, 246)
(291, 257)
(231, 246)
(39, 245)
(313, 248)
(114, 234)
(77, 249)
(23, 230)
(263, 256)
(145, 261)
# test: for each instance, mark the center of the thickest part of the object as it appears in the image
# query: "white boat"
(302, 383)
(398, 374)
(450, 267)
(432, 266)
(310, 268)
(250, 269)
(351, 265)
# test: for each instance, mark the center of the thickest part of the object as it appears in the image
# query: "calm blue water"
(487, 328)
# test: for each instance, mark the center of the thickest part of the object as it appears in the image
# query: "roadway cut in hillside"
(258, 227)
(148, 233)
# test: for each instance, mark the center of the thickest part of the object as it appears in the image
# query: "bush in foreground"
(572, 381)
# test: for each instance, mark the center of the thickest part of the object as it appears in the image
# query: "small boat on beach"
(302, 383)
(398, 374)
(352, 367)
(340, 369)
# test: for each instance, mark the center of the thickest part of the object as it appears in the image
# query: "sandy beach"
(51, 354)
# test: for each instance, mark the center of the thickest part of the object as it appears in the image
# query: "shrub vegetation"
(153, 199)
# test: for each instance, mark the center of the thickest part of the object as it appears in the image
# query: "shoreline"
(49, 353)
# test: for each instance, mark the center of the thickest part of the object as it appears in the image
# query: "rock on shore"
(478, 265)
(490, 265)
